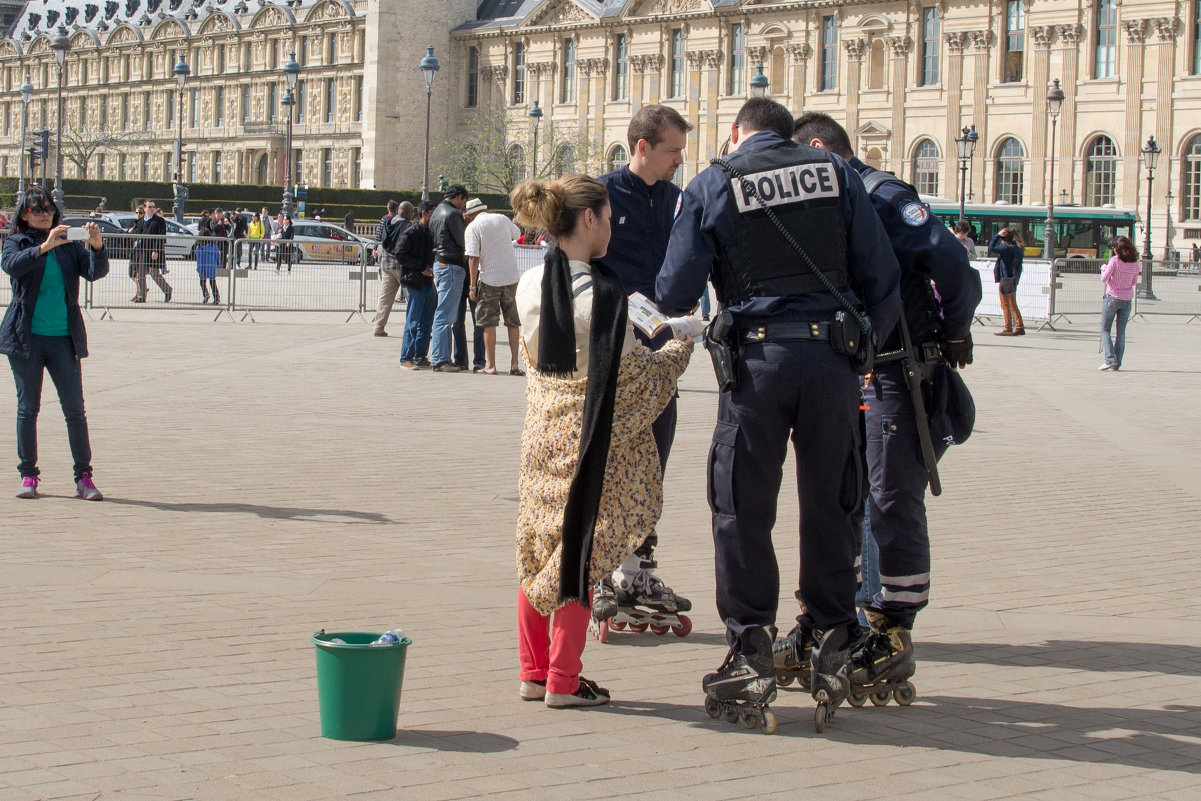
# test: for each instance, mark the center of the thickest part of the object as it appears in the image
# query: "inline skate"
(636, 598)
(882, 666)
(828, 663)
(744, 685)
(790, 657)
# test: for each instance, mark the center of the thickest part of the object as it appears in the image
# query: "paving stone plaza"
(266, 480)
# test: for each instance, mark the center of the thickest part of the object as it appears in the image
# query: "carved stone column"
(1136, 36)
(1041, 36)
(899, 48)
(981, 42)
(855, 49)
(798, 59)
(954, 82)
(1067, 39)
(1165, 44)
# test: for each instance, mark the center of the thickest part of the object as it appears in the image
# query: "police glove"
(959, 354)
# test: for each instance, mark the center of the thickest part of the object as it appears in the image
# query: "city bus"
(1082, 232)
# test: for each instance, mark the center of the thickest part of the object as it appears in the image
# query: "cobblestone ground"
(267, 480)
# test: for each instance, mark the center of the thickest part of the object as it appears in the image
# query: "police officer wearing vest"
(793, 377)
(939, 329)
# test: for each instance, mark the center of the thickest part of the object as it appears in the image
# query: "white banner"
(1034, 290)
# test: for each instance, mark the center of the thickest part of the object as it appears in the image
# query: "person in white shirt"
(492, 266)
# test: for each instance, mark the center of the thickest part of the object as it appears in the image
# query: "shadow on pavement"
(475, 742)
(649, 640)
(1101, 657)
(1154, 739)
(271, 512)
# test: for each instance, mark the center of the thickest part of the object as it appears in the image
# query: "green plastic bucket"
(358, 686)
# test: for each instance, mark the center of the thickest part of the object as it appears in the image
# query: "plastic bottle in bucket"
(359, 682)
(392, 637)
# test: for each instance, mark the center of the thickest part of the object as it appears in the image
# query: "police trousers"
(897, 497)
(805, 392)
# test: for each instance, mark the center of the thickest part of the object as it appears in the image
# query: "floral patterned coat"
(632, 496)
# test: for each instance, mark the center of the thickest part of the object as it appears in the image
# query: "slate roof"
(44, 16)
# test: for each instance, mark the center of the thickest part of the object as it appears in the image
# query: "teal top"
(50, 310)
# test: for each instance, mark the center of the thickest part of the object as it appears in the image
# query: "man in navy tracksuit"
(926, 251)
(644, 201)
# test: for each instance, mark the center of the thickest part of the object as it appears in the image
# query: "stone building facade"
(903, 77)
(360, 99)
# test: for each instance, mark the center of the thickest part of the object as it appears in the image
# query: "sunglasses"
(41, 210)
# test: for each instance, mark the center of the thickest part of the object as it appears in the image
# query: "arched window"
(1192, 181)
(618, 157)
(564, 163)
(1010, 171)
(874, 158)
(517, 164)
(1100, 176)
(877, 71)
(925, 167)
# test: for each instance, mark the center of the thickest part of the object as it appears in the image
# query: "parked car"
(319, 241)
(179, 239)
(117, 248)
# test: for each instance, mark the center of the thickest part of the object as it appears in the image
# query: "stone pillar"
(1133, 136)
(798, 58)
(855, 49)
(979, 171)
(899, 49)
(1041, 37)
(1068, 39)
(954, 82)
(1165, 50)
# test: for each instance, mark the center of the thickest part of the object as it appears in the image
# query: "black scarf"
(556, 354)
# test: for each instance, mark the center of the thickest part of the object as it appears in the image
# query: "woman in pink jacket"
(1119, 275)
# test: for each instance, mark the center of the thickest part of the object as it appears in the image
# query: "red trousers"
(551, 645)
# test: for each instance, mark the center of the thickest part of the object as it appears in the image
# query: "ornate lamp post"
(291, 75)
(60, 45)
(1151, 153)
(428, 66)
(759, 83)
(181, 73)
(26, 96)
(1055, 97)
(965, 147)
(535, 121)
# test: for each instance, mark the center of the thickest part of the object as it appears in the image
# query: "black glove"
(959, 354)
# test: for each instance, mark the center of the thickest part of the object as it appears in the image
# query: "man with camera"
(795, 251)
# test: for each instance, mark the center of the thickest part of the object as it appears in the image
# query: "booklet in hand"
(647, 318)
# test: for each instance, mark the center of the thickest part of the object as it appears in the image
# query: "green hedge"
(367, 204)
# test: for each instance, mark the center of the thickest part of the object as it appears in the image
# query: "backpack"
(391, 242)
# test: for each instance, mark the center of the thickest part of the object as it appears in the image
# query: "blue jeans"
(705, 308)
(448, 280)
(54, 355)
(1111, 310)
(419, 318)
(869, 566)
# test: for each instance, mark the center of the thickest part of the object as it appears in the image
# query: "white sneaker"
(587, 694)
(532, 690)
(29, 487)
(1108, 366)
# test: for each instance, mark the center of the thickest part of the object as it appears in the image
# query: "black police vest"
(800, 184)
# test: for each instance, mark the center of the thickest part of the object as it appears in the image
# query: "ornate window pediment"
(873, 130)
(563, 12)
(219, 23)
(655, 8)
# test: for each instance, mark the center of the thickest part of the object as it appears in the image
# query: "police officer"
(793, 379)
(939, 328)
(644, 201)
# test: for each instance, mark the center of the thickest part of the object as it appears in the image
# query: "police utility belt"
(786, 332)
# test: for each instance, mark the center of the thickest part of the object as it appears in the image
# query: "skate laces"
(30, 481)
(85, 481)
(651, 584)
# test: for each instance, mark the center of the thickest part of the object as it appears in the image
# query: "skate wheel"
(819, 718)
(617, 625)
(769, 722)
(804, 682)
(685, 627)
(880, 697)
(602, 631)
(660, 630)
(749, 718)
(730, 714)
(783, 679)
(712, 708)
(638, 627)
(905, 695)
(857, 699)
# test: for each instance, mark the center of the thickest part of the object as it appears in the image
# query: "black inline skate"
(744, 685)
(882, 666)
(790, 657)
(828, 662)
(636, 598)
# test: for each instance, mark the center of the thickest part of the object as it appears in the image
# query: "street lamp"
(1055, 97)
(965, 146)
(181, 72)
(1151, 153)
(291, 75)
(759, 83)
(26, 96)
(60, 44)
(428, 66)
(535, 121)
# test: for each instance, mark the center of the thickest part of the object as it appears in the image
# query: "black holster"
(723, 350)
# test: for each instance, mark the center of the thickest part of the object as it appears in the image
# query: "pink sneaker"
(29, 487)
(85, 489)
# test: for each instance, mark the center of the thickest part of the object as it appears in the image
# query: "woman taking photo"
(43, 331)
(591, 488)
(1007, 272)
(1119, 276)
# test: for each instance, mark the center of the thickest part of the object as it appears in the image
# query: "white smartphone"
(77, 234)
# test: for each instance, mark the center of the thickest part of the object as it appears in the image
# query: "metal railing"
(1076, 289)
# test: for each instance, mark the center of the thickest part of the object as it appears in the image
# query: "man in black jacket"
(415, 255)
(241, 227)
(151, 253)
(450, 273)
